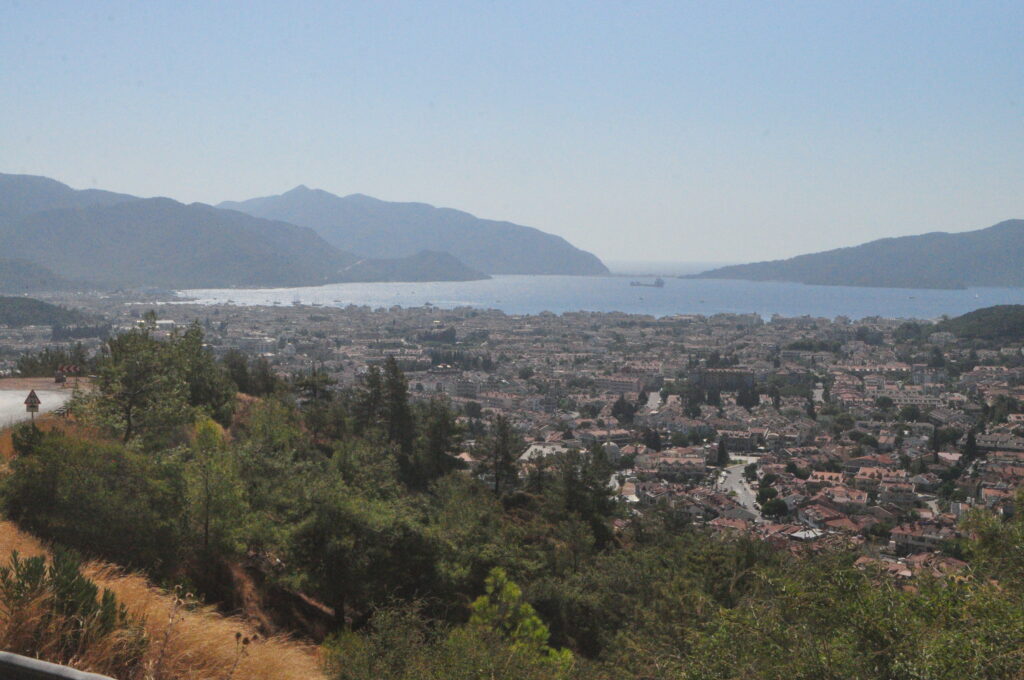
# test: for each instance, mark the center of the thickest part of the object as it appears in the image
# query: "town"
(878, 434)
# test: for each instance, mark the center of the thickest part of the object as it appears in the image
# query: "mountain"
(1002, 323)
(376, 228)
(22, 195)
(423, 266)
(160, 242)
(54, 237)
(20, 311)
(22, 276)
(986, 257)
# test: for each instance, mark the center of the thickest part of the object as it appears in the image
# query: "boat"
(658, 283)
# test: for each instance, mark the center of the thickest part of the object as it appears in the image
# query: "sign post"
(32, 404)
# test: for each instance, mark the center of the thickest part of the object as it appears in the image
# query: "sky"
(672, 131)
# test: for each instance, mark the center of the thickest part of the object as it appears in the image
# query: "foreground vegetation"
(418, 569)
(96, 617)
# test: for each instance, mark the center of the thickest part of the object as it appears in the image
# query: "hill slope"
(19, 311)
(160, 242)
(986, 257)
(22, 276)
(1002, 322)
(101, 238)
(22, 195)
(376, 228)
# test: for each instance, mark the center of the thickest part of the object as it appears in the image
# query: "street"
(732, 480)
(12, 404)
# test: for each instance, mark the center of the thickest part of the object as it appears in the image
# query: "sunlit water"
(535, 294)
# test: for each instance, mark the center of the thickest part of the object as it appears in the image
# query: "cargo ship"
(658, 283)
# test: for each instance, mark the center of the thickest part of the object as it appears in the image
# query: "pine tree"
(971, 446)
(502, 449)
(369, 401)
(401, 429)
(437, 440)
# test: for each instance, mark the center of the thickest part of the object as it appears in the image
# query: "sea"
(559, 294)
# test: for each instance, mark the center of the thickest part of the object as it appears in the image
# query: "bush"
(100, 498)
(55, 613)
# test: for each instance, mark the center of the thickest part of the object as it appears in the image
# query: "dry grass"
(181, 641)
(47, 422)
(13, 539)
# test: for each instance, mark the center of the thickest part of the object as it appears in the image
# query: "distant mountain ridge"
(160, 242)
(22, 195)
(376, 228)
(990, 257)
(22, 276)
(53, 237)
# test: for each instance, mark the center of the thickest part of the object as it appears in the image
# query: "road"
(12, 403)
(732, 480)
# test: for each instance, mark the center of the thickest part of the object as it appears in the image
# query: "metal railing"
(14, 667)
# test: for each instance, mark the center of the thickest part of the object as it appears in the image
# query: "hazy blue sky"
(646, 130)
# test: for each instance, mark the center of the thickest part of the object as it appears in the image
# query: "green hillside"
(1003, 323)
(19, 311)
(22, 276)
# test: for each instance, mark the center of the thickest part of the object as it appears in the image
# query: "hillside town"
(805, 432)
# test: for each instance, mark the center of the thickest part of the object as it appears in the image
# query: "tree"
(237, 366)
(356, 551)
(504, 610)
(582, 485)
(766, 493)
(722, 458)
(776, 507)
(473, 409)
(501, 453)
(399, 424)
(103, 499)
(747, 398)
(623, 410)
(215, 491)
(652, 439)
(262, 380)
(436, 441)
(971, 446)
(210, 388)
(910, 413)
(314, 386)
(142, 386)
(369, 401)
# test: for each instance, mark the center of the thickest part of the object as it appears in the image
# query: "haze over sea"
(558, 294)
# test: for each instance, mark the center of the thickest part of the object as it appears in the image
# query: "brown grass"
(182, 640)
(47, 422)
